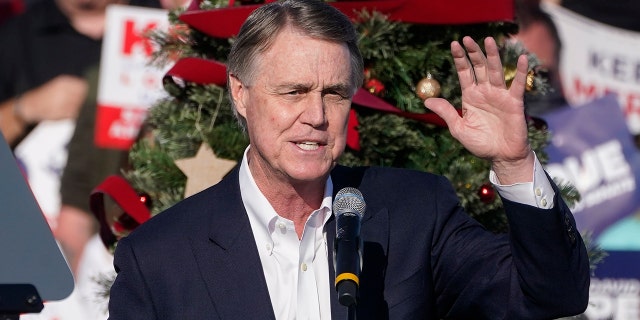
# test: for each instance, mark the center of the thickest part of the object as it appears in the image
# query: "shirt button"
(303, 266)
(544, 203)
(281, 226)
(268, 247)
(538, 192)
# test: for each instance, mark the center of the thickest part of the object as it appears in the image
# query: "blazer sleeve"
(129, 297)
(539, 270)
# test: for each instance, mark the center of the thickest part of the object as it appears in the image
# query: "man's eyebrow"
(338, 87)
(341, 88)
(293, 86)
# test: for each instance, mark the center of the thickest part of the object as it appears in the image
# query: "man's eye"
(336, 95)
(295, 92)
(334, 98)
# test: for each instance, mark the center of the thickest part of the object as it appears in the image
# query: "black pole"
(352, 312)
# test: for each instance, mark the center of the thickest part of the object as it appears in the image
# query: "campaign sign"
(598, 59)
(614, 293)
(591, 148)
(128, 85)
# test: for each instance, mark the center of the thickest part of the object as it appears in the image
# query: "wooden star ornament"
(203, 170)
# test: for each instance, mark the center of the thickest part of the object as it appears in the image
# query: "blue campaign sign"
(614, 293)
(592, 148)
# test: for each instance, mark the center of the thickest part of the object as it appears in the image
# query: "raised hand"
(492, 125)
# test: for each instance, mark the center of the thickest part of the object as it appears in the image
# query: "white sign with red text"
(129, 84)
(598, 59)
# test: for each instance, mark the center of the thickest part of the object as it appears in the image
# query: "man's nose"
(314, 111)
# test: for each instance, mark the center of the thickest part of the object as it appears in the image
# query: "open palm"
(492, 125)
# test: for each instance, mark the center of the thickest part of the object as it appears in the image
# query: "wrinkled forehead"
(298, 54)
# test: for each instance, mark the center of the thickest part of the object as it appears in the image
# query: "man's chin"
(310, 175)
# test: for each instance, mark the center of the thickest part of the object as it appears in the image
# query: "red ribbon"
(366, 99)
(353, 136)
(228, 20)
(126, 197)
(198, 70)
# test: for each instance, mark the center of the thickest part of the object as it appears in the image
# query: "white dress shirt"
(297, 270)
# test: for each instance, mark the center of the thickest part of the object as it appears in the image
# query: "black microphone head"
(349, 200)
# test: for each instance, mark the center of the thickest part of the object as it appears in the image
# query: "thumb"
(444, 109)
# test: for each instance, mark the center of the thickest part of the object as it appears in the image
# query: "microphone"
(348, 208)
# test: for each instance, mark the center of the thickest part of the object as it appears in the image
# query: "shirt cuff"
(538, 193)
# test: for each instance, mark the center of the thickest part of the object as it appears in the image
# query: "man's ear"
(237, 94)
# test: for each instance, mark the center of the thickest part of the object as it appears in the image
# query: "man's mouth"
(307, 145)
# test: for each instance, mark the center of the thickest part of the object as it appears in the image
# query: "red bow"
(130, 205)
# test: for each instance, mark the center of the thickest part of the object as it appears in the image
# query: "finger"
(496, 74)
(478, 59)
(445, 110)
(463, 66)
(519, 82)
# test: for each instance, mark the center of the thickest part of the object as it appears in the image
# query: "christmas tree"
(191, 138)
(405, 64)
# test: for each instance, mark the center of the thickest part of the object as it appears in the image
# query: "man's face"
(296, 108)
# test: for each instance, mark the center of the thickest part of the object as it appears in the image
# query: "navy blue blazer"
(424, 258)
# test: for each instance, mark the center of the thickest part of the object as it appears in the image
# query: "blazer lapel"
(228, 258)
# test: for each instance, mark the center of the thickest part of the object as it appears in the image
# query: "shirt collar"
(257, 205)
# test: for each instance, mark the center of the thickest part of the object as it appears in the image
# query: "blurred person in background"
(538, 34)
(49, 70)
(48, 50)
(52, 45)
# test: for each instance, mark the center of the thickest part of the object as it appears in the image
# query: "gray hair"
(314, 18)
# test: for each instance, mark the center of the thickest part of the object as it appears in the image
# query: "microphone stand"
(348, 297)
(352, 312)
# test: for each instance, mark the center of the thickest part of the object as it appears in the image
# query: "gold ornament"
(428, 87)
(510, 73)
(203, 170)
(531, 77)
